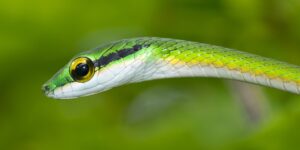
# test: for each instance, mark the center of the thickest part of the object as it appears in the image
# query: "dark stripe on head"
(105, 60)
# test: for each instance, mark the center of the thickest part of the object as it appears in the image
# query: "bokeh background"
(38, 37)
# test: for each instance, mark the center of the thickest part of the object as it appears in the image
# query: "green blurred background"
(38, 37)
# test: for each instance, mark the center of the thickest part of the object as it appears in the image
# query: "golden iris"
(82, 69)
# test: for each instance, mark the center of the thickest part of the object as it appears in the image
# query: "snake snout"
(46, 89)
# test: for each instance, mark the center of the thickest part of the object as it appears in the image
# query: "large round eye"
(82, 69)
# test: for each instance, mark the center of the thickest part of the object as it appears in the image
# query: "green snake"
(148, 58)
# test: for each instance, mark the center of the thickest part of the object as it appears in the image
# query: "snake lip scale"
(148, 58)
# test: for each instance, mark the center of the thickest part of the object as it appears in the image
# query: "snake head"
(94, 71)
(78, 78)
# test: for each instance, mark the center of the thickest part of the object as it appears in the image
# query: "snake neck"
(189, 59)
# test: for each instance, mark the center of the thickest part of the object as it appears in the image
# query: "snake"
(141, 59)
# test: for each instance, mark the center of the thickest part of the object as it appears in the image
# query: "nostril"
(46, 88)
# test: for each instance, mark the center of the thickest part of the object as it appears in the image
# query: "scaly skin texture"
(140, 59)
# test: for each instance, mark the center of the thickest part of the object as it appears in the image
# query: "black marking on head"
(105, 60)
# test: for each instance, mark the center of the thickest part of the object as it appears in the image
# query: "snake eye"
(82, 69)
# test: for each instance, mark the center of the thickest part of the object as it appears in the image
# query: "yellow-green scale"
(193, 53)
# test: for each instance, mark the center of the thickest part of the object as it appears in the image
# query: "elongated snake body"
(140, 59)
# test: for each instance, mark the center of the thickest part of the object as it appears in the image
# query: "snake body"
(148, 58)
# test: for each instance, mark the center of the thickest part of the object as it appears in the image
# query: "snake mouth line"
(49, 94)
(47, 91)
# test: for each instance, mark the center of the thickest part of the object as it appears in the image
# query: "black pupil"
(82, 70)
